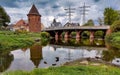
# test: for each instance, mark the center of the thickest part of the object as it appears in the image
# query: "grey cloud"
(55, 8)
(96, 0)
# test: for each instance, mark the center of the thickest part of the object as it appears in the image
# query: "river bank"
(71, 70)
(11, 40)
(77, 67)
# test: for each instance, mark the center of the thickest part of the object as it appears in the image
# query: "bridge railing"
(77, 27)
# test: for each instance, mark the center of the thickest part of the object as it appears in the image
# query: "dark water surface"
(55, 54)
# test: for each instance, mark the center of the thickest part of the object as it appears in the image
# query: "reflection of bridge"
(57, 31)
(83, 47)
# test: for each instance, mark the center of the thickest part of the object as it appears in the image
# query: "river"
(56, 53)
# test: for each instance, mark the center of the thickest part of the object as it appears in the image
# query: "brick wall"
(34, 22)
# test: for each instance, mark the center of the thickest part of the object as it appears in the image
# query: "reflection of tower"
(36, 54)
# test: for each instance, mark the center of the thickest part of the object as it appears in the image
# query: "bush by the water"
(113, 39)
(44, 35)
(115, 26)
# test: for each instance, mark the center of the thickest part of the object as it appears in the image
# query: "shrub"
(73, 34)
(115, 27)
(99, 34)
(85, 34)
(44, 35)
(113, 39)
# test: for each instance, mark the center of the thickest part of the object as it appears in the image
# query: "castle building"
(55, 24)
(33, 24)
(34, 20)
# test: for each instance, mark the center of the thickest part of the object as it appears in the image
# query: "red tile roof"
(20, 22)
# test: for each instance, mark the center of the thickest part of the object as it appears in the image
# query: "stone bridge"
(57, 31)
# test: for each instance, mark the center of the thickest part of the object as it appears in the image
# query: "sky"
(50, 9)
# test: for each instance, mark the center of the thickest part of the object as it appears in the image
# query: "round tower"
(34, 20)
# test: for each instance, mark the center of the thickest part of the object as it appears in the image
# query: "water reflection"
(111, 55)
(57, 53)
(50, 55)
(36, 54)
(5, 61)
(82, 42)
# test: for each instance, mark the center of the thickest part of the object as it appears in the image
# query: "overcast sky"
(50, 9)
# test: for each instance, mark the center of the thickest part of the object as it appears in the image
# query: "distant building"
(33, 24)
(21, 25)
(71, 24)
(56, 24)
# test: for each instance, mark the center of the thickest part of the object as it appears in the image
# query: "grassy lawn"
(71, 70)
(11, 40)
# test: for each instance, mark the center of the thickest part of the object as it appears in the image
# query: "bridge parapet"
(78, 27)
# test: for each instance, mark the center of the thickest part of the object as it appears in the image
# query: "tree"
(89, 23)
(4, 17)
(110, 15)
(115, 27)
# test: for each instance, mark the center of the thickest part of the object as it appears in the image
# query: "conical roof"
(33, 11)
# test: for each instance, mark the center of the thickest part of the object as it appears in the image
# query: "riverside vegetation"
(114, 38)
(13, 40)
(63, 70)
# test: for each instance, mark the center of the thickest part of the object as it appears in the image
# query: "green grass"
(71, 70)
(10, 40)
